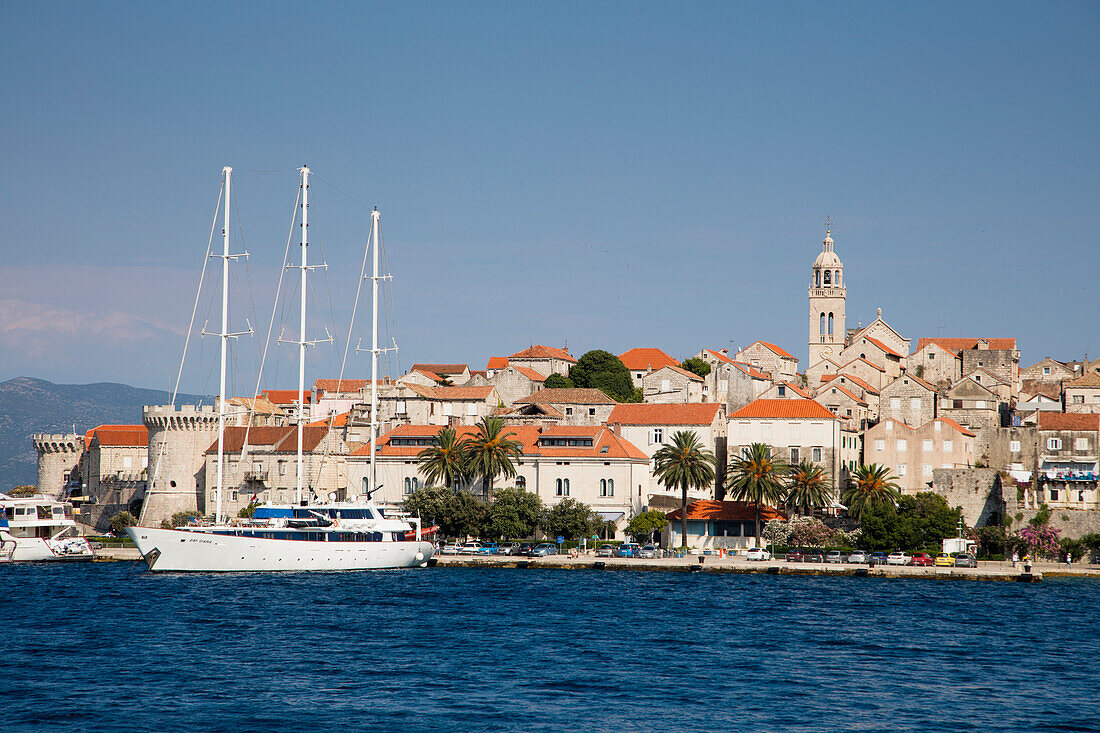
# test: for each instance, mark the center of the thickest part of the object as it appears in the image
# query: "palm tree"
(870, 486)
(491, 452)
(757, 476)
(685, 463)
(446, 461)
(808, 487)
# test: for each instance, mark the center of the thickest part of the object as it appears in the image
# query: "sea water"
(111, 647)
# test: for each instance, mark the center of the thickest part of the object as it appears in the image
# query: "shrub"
(120, 521)
(179, 519)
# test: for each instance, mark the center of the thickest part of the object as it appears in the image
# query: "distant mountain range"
(29, 406)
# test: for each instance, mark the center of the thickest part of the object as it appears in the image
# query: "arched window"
(566, 487)
(822, 329)
(416, 484)
(521, 483)
(408, 485)
(603, 487)
(366, 484)
(836, 279)
(557, 487)
(828, 276)
(830, 324)
(817, 278)
(611, 487)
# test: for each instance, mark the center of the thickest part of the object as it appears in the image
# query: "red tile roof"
(447, 369)
(430, 375)
(845, 391)
(568, 396)
(882, 346)
(951, 423)
(684, 373)
(691, 413)
(750, 370)
(452, 393)
(283, 439)
(727, 511)
(340, 385)
(866, 387)
(497, 362)
(529, 373)
(1092, 379)
(286, 396)
(783, 409)
(956, 345)
(1068, 421)
(719, 355)
(337, 421)
(120, 436)
(637, 360)
(774, 348)
(528, 438)
(796, 389)
(543, 352)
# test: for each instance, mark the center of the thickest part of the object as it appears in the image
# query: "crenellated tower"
(828, 298)
(58, 460)
(178, 440)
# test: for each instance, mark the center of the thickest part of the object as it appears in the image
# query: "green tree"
(179, 519)
(914, 523)
(684, 463)
(120, 522)
(570, 519)
(514, 513)
(643, 526)
(21, 492)
(456, 513)
(446, 462)
(491, 452)
(248, 510)
(757, 476)
(603, 370)
(695, 365)
(557, 381)
(869, 486)
(808, 487)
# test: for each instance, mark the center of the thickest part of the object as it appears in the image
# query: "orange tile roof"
(447, 369)
(1092, 379)
(783, 409)
(529, 373)
(282, 439)
(882, 346)
(452, 393)
(851, 378)
(1068, 421)
(710, 510)
(797, 390)
(119, 436)
(430, 375)
(719, 355)
(286, 396)
(868, 363)
(951, 423)
(497, 362)
(526, 435)
(774, 348)
(568, 396)
(543, 352)
(646, 358)
(845, 391)
(340, 385)
(750, 370)
(956, 345)
(336, 421)
(690, 413)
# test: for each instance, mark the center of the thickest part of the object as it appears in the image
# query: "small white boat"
(40, 529)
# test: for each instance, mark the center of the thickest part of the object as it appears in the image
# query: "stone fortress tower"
(178, 439)
(58, 460)
(828, 298)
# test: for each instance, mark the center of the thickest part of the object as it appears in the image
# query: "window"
(569, 411)
(723, 385)
(936, 426)
(521, 483)
(562, 487)
(948, 446)
(902, 446)
(830, 324)
(980, 404)
(1081, 444)
(914, 404)
(926, 446)
(448, 408)
(400, 407)
(1078, 399)
(665, 385)
(656, 435)
(956, 404)
(931, 356)
(816, 455)
(822, 327)
(895, 403)
(1054, 494)
(408, 486)
(1046, 371)
(794, 456)
(282, 468)
(902, 469)
(127, 461)
(1014, 446)
(1054, 444)
(782, 391)
(829, 277)
(928, 470)
(880, 445)
(607, 487)
(603, 487)
(591, 411)
(471, 409)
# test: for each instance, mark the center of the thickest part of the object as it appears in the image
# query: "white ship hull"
(173, 550)
(38, 549)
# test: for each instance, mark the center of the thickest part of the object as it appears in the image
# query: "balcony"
(256, 474)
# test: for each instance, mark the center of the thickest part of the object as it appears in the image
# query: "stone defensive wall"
(178, 439)
(58, 455)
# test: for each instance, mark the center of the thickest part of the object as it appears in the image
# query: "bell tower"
(827, 300)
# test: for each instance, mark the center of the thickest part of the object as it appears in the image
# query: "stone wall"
(1072, 523)
(178, 439)
(58, 458)
(977, 490)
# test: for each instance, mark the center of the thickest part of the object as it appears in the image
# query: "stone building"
(577, 406)
(934, 363)
(545, 360)
(973, 406)
(785, 391)
(287, 400)
(511, 382)
(729, 525)
(869, 372)
(824, 368)
(1047, 371)
(845, 404)
(590, 464)
(734, 383)
(870, 349)
(912, 454)
(178, 439)
(862, 389)
(768, 358)
(1082, 394)
(908, 399)
(419, 405)
(828, 298)
(999, 356)
(642, 361)
(882, 332)
(456, 374)
(114, 471)
(999, 387)
(1069, 451)
(651, 426)
(673, 384)
(58, 462)
(979, 492)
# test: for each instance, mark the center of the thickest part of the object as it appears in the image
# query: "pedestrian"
(1069, 560)
(1015, 558)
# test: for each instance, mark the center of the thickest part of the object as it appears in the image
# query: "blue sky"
(607, 175)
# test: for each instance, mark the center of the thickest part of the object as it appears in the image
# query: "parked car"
(543, 550)
(469, 548)
(921, 558)
(962, 560)
(606, 551)
(759, 553)
(877, 558)
(859, 556)
(945, 560)
(451, 549)
(508, 548)
(629, 549)
(834, 556)
(489, 548)
(795, 555)
(897, 557)
(648, 552)
(814, 555)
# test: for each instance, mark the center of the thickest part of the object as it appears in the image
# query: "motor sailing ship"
(335, 535)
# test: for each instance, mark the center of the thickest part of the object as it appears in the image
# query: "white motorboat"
(40, 529)
(350, 535)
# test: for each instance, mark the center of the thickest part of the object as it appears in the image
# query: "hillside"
(29, 406)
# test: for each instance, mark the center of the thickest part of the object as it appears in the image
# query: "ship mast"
(375, 219)
(302, 332)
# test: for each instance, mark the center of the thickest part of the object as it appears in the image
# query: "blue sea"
(110, 647)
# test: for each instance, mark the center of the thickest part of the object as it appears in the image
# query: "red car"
(922, 558)
(795, 556)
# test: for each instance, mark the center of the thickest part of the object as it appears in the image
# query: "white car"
(897, 558)
(759, 553)
(450, 549)
(470, 548)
